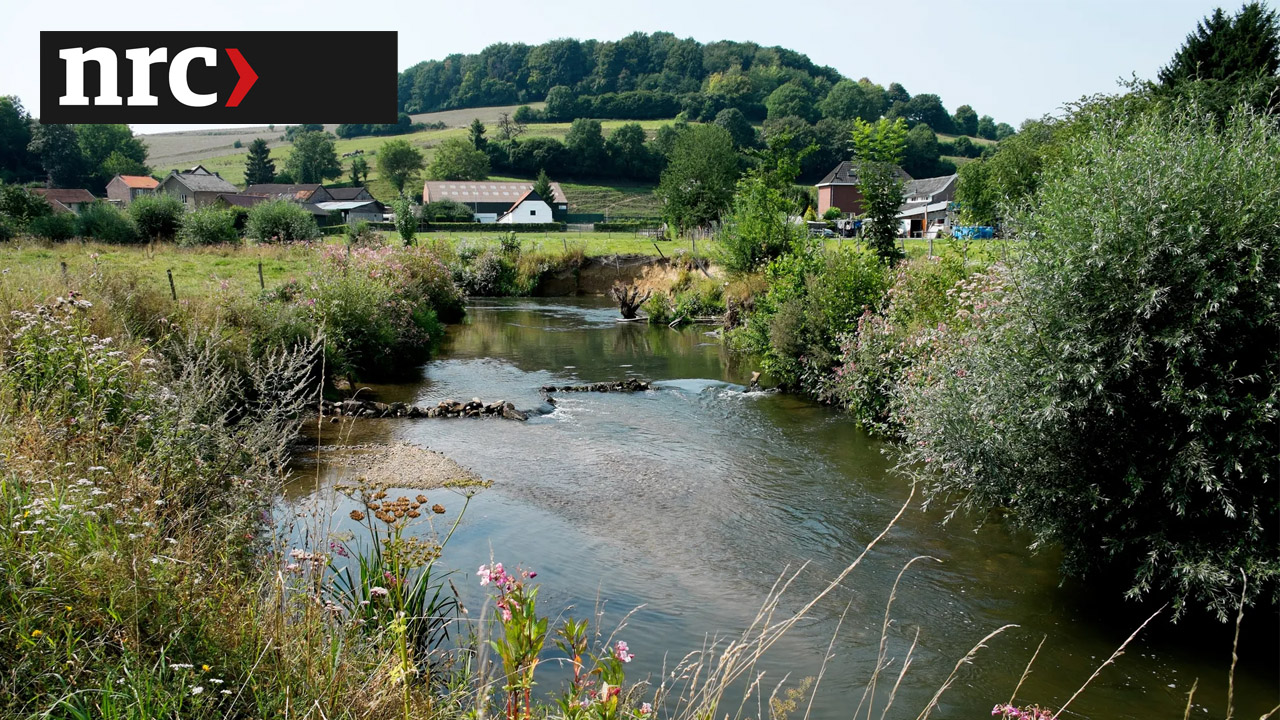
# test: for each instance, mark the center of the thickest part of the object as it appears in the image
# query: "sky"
(1011, 59)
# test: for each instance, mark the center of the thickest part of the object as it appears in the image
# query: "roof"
(203, 182)
(529, 196)
(348, 205)
(488, 192)
(928, 187)
(846, 174)
(141, 182)
(296, 192)
(243, 200)
(911, 209)
(65, 196)
(350, 193)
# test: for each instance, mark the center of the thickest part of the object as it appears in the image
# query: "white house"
(530, 208)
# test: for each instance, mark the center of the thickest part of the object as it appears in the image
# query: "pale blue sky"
(1011, 59)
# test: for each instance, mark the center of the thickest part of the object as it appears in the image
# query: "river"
(679, 508)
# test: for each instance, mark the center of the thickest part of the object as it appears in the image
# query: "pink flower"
(645, 708)
(620, 652)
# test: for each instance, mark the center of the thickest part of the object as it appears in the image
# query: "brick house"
(839, 189)
(124, 189)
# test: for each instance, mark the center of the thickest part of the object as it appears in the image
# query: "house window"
(533, 212)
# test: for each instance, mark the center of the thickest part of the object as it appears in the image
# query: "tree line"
(65, 156)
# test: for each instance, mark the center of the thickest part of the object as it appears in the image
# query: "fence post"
(63, 263)
(173, 289)
(261, 283)
(655, 247)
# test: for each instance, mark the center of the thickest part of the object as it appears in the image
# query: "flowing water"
(683, 505)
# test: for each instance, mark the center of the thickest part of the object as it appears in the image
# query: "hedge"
(493, 227)
(627, 225)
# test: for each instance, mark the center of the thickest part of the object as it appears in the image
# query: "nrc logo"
(141, 60)
(215, 77)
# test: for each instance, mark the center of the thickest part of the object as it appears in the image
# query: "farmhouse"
(926, 205)
(124, 189)
(348, 194)
(306, 193)
(64, 200)
(498, 201)
(839, 189)
(196, 187)
(246, 201)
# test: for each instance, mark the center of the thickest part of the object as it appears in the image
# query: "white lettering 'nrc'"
(142, 60)
(76, 58)
(178, 76)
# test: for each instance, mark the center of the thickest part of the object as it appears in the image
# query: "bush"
(158, 217)
(362, 233)
(1117, 402)
(208, 226)
(514, 227)
(280, 221)
(490, 274)
(56, 228)
(20, 206)
(406, 221)
(104, 223)
(627, 225)
(7, 230)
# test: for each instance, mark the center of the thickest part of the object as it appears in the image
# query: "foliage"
(697, 186)
(21, 206)
(158, 217)
(402, 125)
(458, 159)
(208, 226)
(878, 148)
(759, 227)
(59, 152)
(107, 150)
(359, 170)
(104, 223)
(791, 100)
(313, 158)
(280, 221)
(1231, 49)
(542, 186)
(399, 162)
(447, 211)
(55, 227)
(849, 100)
(259, 168)
(1110, 393)
(923, 109)
(965, 121)
(406, 221)
(17, 163)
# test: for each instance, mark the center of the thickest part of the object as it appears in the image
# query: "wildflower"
(645, 708)
(205, 668)
(216, 681)
(67, 608)
(620, 652)
(357, 515)
(437, 509)
(181, 666)
(226, 692)
(378, 591)
(36, 633)
(197, 690)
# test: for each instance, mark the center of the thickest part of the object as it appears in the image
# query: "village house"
(492, 202)
(839, 189)
(124, 189)
(353, 211)
(349, 194)
(926, 206)
(65, 200)
(304, 193)
(196, 187)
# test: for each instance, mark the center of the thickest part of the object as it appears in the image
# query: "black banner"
(218, 77)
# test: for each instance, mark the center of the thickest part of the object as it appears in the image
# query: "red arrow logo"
(247, 77)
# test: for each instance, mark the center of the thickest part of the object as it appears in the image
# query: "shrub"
(158, 217)
(7, 230)
(57, 227)
(362, 233)
(21, 206)
(1110, 392)
(104, 223)
(406, 221)
(280, 221)
(488, 275)
(208, 226)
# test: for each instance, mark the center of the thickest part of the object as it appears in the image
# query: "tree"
(107, 150)
(975, 195)
(509, 129)
(585, 143)
(924, 108)
(313, 158)
(739, 127)
(1004, 130)
(457, 159)
(259, 168)
(543, 187)
(59, 153)
(921, 153)
(966, 121)
(629, 156)
(1110, 395)
(359, 171)
(280, 221)
(848, 100)
(878, 148)
(896, 94)
(987, 127)
(21, 206)
(1232, 50)
(476, 134)
(791, 99)
(399, 162)
(759, 227)
(17, 163)
(158, 217)
(697, 186)
(406, 221)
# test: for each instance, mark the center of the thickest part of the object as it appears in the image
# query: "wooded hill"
(650, 76)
